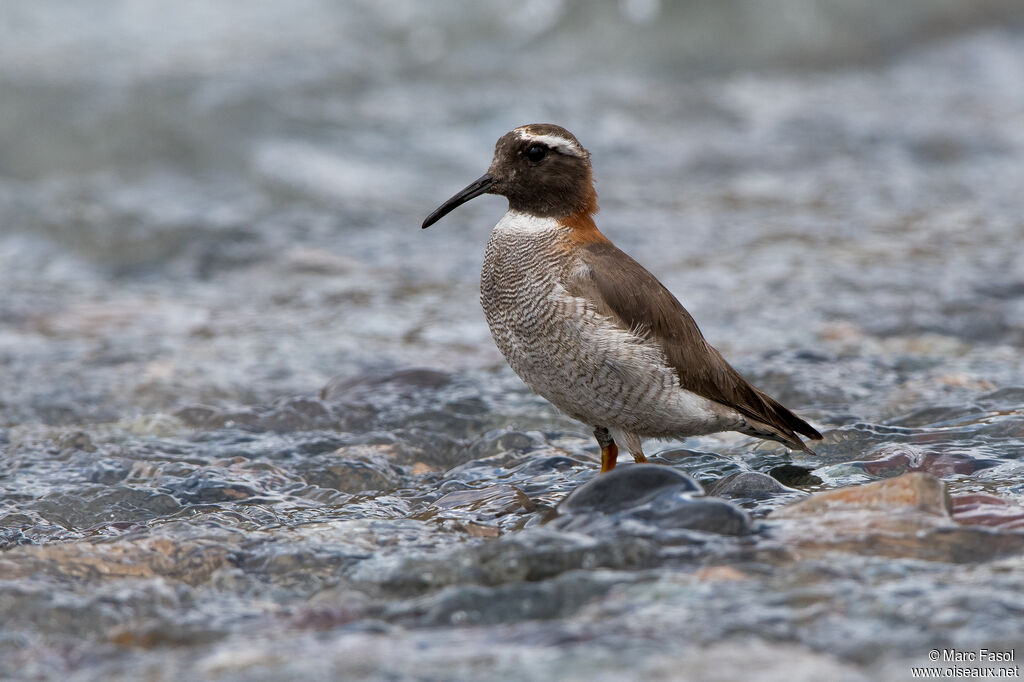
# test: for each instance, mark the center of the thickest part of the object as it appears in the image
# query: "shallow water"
(253, 424)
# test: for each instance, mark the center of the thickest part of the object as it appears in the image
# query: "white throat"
(517, 222)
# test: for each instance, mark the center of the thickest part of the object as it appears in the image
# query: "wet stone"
(428, 449)
(534, 554)
(192, 561)
(937, 414)
(748, 484)
(708, 514)
(76, 440)
(488, 502)
(327, 617)
(908, 516)
(475, 605)
(352, 469)
(196, 415)
(160, 632)
(205, 489)
(686, 457)
(415, 398)
(380, 399)
(894, 459)
(537, 465)
(12, 537)
(286, 415)
(106, 471)
(298, 413)
(981, 509)
(652, 494)
(704, 467)
(1005, 396)
(625, 487)
(91, 505)
(481, 512)
(915, 491)
(793, 475)
(502, 441)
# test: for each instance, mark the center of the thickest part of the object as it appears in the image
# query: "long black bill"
(478, 187)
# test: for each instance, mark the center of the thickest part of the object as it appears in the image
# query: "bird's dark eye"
(536, 152)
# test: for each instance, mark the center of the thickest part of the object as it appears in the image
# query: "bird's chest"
(520, 289)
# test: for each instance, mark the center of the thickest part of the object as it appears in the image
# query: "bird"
(590, 329)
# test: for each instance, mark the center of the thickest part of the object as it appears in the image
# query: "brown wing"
(623, 289)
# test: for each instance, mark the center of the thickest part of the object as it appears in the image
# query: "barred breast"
(565, 349)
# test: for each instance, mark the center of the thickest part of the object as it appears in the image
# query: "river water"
(252, 422)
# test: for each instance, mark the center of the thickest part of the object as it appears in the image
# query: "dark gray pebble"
(748, 484)
(652, 494)
(709, 514)
(625, 487)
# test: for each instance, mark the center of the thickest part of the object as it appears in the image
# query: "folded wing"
(623, 290)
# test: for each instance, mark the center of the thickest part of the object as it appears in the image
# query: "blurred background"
(222, 201)
(210, 209)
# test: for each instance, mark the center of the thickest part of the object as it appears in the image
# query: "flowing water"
(252, 422)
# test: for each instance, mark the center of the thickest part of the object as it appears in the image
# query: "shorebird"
(586, 326)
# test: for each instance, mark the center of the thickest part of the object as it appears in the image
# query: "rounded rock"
(626, 487)
(708, 514)
(749, 484)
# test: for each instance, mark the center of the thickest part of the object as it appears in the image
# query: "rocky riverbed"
(253, 426)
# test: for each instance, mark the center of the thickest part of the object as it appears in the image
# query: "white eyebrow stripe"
(554, 141)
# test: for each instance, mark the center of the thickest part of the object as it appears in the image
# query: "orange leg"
(639, 458)
(609, 450)
(609, 455)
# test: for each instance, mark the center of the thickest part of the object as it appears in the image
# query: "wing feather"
(624, 290)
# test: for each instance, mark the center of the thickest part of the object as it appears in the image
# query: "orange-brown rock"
(191, 562)
(908, 516)
(914, 491)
